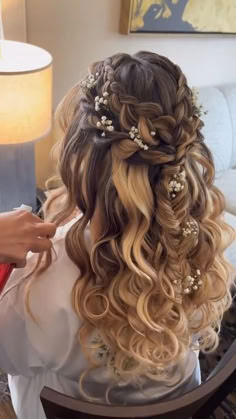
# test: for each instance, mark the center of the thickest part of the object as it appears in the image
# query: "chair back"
(61, 406)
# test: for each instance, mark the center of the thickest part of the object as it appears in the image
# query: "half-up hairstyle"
(131, 293)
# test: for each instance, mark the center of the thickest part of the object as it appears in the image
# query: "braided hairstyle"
(133, 312)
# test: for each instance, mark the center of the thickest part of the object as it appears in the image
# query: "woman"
(137, 282)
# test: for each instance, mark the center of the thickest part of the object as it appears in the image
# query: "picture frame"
(178, 16)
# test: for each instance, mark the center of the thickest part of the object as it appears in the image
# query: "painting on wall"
(178, 16)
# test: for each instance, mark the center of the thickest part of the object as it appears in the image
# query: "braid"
(108, 70)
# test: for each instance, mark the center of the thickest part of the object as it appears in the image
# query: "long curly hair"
(127, 292)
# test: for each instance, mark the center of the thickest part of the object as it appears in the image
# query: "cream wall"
(77, 32)
(13, 16)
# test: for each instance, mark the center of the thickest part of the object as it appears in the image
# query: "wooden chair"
(197, 404)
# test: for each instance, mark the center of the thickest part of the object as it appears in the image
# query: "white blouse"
(46, 352)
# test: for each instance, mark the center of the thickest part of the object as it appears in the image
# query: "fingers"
(46, 230)
(42, 229)
(20, 260)
(37, 219)
(41, 245)
(38, 234)
(21, 263)
(38, 245)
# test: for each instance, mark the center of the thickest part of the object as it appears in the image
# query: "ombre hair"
(125, 293)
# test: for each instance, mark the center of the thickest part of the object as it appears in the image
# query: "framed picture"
(178, 16)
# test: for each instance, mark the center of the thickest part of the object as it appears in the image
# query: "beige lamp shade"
(26, 92)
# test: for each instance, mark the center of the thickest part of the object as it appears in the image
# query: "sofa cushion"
(230, 253)
(218, 126)
(226, 182)
(229, 92)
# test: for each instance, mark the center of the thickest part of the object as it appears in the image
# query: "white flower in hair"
(99, 101)
(198, 107)
(176, 183)
(106, 124)
(90, 81)
(190, 228)
(192, 283)
(135, 136)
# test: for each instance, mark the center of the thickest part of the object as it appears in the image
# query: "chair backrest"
(60, 406)
(220, 125)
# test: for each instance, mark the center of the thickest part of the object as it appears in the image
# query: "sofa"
(220, 136)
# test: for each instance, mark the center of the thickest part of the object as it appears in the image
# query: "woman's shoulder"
(63, 229)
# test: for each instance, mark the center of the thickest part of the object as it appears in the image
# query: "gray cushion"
(218, 126)
(231, 251)
(226, 182)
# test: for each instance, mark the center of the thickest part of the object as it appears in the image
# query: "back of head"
(134, 162)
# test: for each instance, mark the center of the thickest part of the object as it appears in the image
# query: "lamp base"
(17, 176)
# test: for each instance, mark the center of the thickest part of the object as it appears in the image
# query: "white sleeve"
(25, 345)
(16, 354)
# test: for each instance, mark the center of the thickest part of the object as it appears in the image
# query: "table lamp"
(25, 116)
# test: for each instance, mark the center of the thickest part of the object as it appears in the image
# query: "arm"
(21, 232)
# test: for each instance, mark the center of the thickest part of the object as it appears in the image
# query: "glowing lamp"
(25, 116)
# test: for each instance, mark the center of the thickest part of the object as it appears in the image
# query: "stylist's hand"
(21, 232)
